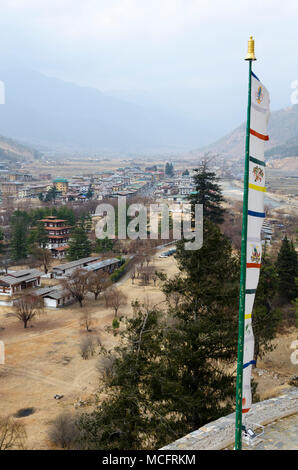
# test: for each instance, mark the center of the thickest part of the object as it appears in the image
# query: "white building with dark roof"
(65, 269)
(15, 282)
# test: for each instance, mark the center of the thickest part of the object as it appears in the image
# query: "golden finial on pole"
(251, 50)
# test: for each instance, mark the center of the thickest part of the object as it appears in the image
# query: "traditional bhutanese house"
(65, 269)
(58, 298)
(54, 296)
(43, 291)
(15, 282)
(106, 265)
(58, 235)
(60, 251)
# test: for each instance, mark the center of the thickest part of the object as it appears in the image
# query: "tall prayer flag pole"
(258, 111)
(238, 426)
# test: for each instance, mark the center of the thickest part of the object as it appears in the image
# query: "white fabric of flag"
(259, 116)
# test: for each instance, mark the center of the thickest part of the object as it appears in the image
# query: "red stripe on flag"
(253, 265)
(246, 410)
(260, 136)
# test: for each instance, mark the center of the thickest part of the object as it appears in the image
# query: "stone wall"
(220, 433)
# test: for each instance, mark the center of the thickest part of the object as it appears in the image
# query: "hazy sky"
(175, 47)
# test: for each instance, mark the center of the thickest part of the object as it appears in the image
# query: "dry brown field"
(44, 359)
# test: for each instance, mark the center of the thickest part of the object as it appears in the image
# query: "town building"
(61, 184)
(11, 188)
(32, 191)
(185, 188)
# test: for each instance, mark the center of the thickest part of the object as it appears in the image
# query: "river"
(230, 190)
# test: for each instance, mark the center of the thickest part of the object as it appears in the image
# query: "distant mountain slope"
(10, 151)
(283, 137)
(50, 113)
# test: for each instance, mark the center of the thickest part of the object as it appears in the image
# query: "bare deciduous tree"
(105, 365)
(27, 307)
(116, 299)
(77, 284)
(12, 434)
(4, 264)
(86, 319)
(64, 432)
(87, 347)
(97, 282)
(43, 256)
(132, 277)
(146, 274)
(231, 226)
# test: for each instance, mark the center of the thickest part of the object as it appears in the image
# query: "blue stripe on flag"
(250, 363)
(256, 214)
(254, 75)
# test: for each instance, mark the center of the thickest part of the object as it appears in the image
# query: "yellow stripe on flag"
(257, 188)
(247, 316)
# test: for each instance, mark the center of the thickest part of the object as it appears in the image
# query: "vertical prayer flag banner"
(259, 116)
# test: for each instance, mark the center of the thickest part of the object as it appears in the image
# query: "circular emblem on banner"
(259, 94)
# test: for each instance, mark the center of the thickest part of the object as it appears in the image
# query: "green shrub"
(115, 276)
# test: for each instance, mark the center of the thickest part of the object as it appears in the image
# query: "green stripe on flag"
(250, 291)
(255, 160)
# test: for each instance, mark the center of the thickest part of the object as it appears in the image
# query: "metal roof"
(13, 280)
(74, 264)
(43, 290)
(101, 264)
(58, 294)
(24, 272)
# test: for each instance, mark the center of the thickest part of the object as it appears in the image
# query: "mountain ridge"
(283, 137)
(13, 151)
(51, 113)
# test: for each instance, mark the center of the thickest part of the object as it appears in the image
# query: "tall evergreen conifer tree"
(266, 317)
(80, 246)
(19, 237)
(287, 270)
(207, 192)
